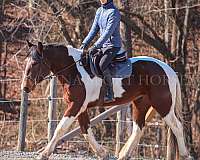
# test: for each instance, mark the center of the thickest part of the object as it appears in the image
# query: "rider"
(107, 21)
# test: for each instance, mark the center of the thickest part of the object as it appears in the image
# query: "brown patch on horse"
(84, 122)
(75, 97)
(148, 78)
(56, 58)
(40, 48)
(140, 109)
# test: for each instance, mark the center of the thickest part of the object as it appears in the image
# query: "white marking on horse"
(132, 142)
(117, 87)
(61, 129)
(177, 129)
(98, 149)
(93, 86)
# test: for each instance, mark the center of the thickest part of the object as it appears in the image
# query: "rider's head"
(105, 1)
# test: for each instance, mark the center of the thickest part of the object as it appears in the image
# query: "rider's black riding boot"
(109, 96)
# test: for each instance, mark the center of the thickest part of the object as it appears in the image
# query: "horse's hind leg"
(177, 128)
(166, 103)
(84, 123)
(139, 111)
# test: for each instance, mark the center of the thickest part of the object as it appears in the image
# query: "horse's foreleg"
(61, 129)
(84, 122)
(69, 117)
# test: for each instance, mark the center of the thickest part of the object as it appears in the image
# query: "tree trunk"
(5, 71)
(174, 28)
(126, 29)
(1, 46)
(166, 4)
(181, 67)
(61, 21)
(1, 51)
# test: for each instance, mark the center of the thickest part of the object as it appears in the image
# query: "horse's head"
(36, 68)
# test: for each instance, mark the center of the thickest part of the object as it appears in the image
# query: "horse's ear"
(29, 44)
(40, 47)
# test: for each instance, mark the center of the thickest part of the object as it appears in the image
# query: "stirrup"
(108, 99)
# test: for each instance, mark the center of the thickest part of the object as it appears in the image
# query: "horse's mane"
(74, 52)
(53, 45)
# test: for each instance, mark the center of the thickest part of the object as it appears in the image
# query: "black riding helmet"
(108, 1)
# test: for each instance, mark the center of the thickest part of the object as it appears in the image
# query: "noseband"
(39, 59)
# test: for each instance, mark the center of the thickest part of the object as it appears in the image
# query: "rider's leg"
(108, 55)
(107, 80)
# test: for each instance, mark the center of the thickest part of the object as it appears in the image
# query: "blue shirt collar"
(109, 4)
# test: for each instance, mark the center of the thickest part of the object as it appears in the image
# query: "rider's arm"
(93, 31)
(113, 21)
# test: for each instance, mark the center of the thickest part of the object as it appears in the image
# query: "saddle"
(120, 67)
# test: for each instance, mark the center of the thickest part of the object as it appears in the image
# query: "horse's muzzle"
(26, 89)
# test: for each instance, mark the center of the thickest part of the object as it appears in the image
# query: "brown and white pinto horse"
(153, 83)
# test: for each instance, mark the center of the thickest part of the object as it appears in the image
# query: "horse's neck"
(73, 56)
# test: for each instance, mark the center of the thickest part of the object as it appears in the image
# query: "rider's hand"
(93, 50)
(82, 47)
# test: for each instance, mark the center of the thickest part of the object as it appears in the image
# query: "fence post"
(23, 121)
(121, 118)
(52, 108)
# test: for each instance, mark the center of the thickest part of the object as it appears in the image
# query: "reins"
(65, 68)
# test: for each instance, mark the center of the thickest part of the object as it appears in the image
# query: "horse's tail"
(172, 145)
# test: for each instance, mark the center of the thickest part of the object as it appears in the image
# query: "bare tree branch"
(63, 25)
(157, 43)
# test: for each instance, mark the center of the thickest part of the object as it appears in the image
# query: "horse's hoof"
(109, 157)
(41, 150)
(189, 158)
(124, 158)
(42, 157)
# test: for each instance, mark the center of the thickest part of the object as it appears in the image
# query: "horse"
(152, 83)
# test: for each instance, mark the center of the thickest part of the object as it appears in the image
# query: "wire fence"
(107, 143)
(103, 121)
(14, 57)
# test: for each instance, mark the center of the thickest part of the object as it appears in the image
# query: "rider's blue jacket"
(107, 21)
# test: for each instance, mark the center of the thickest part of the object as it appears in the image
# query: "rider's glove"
(82, 47)
(93, 50)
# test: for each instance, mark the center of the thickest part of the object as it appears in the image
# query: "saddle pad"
(120, 56)
(121, 69)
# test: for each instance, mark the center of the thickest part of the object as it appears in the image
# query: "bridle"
(39, 59)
